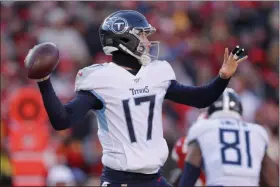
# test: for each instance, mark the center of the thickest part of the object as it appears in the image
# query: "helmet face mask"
(146, 47)
(121, 31)
(151, 49)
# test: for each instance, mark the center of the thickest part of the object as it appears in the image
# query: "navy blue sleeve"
(64, 116)
(189, 176)
(196, 96)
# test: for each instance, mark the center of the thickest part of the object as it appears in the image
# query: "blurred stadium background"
(193, 37)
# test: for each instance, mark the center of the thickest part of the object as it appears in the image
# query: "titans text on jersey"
(135, 91)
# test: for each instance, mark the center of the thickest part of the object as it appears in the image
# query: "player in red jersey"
(179, 153)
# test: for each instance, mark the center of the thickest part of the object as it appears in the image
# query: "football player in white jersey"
(231, 151)
(127, 95)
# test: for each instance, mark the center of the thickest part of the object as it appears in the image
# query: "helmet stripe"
(226, 101)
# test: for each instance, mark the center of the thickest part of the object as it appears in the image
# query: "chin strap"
(143, 60)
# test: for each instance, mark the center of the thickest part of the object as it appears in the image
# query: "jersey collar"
(225, 114)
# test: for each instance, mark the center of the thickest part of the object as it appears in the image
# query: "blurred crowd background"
(193, 38)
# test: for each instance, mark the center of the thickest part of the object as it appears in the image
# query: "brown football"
(41, 60)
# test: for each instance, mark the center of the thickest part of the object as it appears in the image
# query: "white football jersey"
(232, 150)
(130, 123)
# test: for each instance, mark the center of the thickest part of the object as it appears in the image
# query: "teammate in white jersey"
(231, 151)
(127, 95)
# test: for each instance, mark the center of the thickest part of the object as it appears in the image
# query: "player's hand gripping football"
(231, 62)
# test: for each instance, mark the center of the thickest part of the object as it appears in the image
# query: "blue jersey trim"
(102, 119)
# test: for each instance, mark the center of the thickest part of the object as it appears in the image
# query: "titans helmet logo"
(116, 24)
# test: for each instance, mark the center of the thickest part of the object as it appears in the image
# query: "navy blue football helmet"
(228, 101)
(121, 32)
